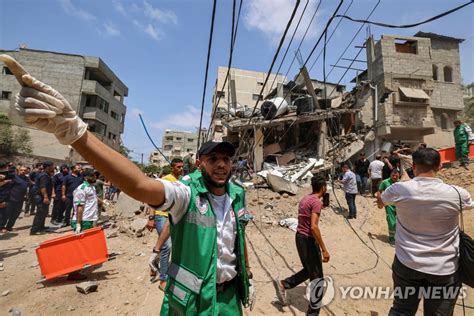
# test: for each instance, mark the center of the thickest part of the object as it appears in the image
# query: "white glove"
(43, 107)
(152, 262)
(77, 231)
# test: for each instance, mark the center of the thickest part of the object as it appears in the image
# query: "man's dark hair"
(175, 161)
(426, 159)
(378, 157)
(346, 166)
(88, 172)
(317, 183)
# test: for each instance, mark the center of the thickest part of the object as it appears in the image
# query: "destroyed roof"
(439, 37)
(361, 76)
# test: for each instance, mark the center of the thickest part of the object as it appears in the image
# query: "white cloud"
(154, 33)
(187, 120)
(118, 6)
(71, 9)
(111, 29)
(159, 15)
(272, 16)
(135, 112)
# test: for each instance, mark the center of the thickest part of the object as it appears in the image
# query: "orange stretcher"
(69, 253)
(449, 154)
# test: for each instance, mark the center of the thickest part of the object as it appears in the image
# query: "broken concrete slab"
(87, 287)
(138, 225)
(6, 292)
(271, 149)
(280, 184)
(284, 159)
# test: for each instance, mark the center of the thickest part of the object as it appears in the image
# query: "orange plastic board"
(72, 252)
(449, 154)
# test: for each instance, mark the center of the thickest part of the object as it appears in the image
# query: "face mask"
(211, 183)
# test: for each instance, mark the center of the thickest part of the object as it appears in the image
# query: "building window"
(168, 147)
(169, 138)
(95, 101)
(178, 138)
(435, 72)
(6, 71)
(190, 140)
(448, 74)
(260, 83)
(406, 47)
(114, 115)
(6, 95)
(256, 97)
(444, 121)
(112, 136)
(96, 127)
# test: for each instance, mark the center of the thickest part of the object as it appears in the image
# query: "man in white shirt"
(85, 203)
(349, 185)
(375, 174)
(427, 238)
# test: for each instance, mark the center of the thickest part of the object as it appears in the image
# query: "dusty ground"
(124, 286)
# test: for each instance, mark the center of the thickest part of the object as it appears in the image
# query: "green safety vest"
(191, 286)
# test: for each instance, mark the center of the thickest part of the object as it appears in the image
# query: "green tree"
(151, 168)
(13, 141)
(124, 150)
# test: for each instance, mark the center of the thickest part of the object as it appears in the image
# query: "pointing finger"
(38, 85)
(15, 67)
(33, 93)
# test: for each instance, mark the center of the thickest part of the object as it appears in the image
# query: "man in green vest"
(461, 141)
(390, 210)
(209, 273)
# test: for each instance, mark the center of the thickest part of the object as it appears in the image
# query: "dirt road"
(360, 255)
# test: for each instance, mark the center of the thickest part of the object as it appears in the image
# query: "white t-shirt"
(427, 234)
(375, 168)
(85, 195)
(178, 197)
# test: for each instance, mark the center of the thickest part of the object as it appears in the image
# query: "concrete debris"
(6, 292)
(139, 225)
(112, 234)
(70, 309)
(34, 264)
(15, 312)
(290, 223)
(87, 287)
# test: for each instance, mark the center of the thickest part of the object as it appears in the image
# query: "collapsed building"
(411, 92)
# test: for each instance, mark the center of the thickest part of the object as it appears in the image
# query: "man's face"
(216, 168)
(177, 168)
(50, 169)
(65, 170)
(76, 169)
(395, 176)
(91, 179)
(22, 171)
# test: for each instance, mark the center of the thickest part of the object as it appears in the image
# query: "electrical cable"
(330, 36)
(436, 17)
(289, 45)
(151, 140)
(207, 71)
(353, 38)
(307, 59)
(233, 36)
(282, 40)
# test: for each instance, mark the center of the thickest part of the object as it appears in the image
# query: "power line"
(289, 45)
(207, 71)
(353, 38)
(436, 17)
(304, 64)
(274, 60)
(233, 36)
(330, 37)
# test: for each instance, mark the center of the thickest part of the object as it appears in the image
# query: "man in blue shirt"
(43, 197)
(58, 204)
(349, 183)
(18, 188)
(69, 184)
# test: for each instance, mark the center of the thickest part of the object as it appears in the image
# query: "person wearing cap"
(44, 185)
(208, 273)
(461, 141)
(85, 203)
(58, 204)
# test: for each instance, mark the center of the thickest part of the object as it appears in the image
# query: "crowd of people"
(209, 271)
(44, 190)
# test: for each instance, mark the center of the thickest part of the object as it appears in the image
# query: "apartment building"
(92, 88)
(418, 82)
(242, 89)
(177, 144)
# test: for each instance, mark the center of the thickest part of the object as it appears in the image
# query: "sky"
(158, 48)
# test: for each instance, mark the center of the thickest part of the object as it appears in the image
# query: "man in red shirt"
(309, 243)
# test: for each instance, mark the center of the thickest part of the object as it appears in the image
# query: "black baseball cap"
(211, 146)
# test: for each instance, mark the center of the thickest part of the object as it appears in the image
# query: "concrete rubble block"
(87, 287)
(112, 234)
(271, 149)
(286, 158)
(6, 292)
(138, 225)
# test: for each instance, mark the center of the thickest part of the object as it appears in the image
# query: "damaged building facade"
(417, 81)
